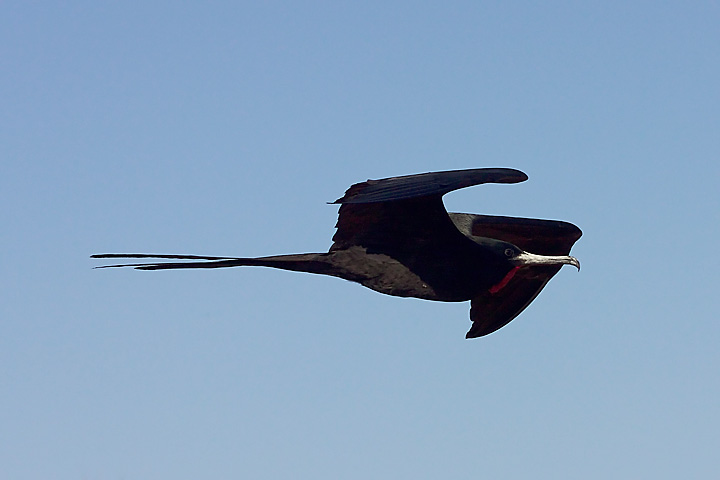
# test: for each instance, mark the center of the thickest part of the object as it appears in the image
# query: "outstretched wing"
(427, 184)
(491, 311)
(402, 214)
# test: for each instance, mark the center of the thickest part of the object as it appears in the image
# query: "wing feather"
(402, 213)
(427, 184)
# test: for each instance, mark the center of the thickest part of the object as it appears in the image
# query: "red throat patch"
(500, 285)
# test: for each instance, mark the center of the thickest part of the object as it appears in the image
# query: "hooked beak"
(526, 259)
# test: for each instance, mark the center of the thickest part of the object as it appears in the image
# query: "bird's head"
(521, 258)
(515, 258)
(506, 252)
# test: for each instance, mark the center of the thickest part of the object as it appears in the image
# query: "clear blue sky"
(222, 128)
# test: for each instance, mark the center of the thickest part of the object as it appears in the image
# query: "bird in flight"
(394, 236)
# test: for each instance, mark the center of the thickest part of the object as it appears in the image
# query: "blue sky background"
(222, 128)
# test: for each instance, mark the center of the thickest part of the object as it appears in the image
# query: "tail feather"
(304, 262)
(175, 265)
(158, 255)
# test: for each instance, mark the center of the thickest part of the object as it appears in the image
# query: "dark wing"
(427, 184)
(542, 237)
(489, 311)
(402, 214)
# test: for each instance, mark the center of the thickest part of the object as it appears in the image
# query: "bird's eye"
(509, 252)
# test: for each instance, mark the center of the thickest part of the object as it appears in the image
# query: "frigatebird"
(394, 236)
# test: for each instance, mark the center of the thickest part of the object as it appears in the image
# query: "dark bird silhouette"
(395, 237)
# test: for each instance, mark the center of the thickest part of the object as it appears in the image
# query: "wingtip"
(470, 335)
(473, 332)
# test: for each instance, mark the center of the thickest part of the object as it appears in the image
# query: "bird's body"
(394, 236)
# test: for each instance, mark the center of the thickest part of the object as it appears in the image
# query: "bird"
(395, 237)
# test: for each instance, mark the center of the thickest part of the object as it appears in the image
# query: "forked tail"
(303, 262)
